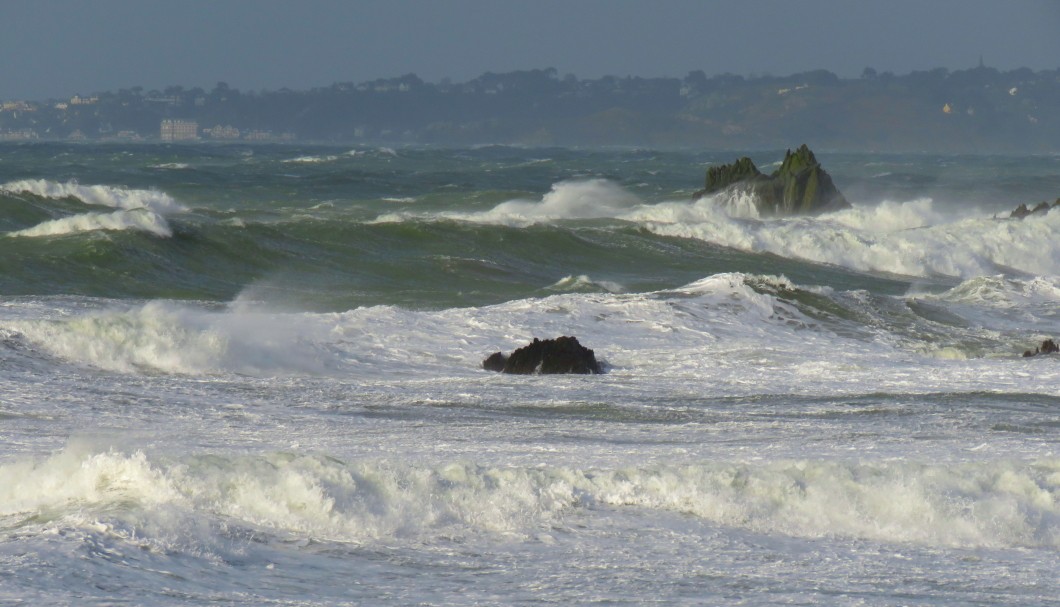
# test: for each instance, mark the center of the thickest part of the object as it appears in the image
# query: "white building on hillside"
(179, 130)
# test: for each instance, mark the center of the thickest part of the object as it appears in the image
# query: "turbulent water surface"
(251, 375)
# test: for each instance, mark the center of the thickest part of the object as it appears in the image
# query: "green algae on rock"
(799, 187)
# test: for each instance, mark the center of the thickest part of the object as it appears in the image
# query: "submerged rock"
(1048, 347)
(799, 187)
(550, 356)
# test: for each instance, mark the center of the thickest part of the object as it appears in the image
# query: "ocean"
(251, 375)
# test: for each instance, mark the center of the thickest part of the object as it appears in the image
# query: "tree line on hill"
(975, 110)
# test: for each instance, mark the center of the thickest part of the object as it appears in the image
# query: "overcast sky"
(56, 48)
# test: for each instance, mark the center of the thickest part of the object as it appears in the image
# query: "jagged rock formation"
(551, 356)
(1022, 211)
(1048, 347)
(799, 187)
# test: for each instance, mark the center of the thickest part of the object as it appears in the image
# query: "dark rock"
(1042, 207)
(723, 176)
(799, 187)
(550, 356)
(495, 362)
(1048, 347)
(1019, 212)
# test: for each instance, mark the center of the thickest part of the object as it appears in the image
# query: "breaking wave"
(142, 220)
(910, 238)
(732, 334)
(993, 504)
(141, 210)
(588, 199)
(99, 195)
(583, 283)
(311, 159)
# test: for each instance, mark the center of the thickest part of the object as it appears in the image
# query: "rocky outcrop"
(1048, 347)
(799, 187)
(1043, 207)
(550, 356)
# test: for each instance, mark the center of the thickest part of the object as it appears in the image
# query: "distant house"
(222, 132)
(19, 135)
(179, 130)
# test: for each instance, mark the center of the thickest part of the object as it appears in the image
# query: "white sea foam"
(142, 220)
(986, 504)
(142, 210)
(99, 195)
(582, 282)
(174, 338)
(729, 334)
(310, 159)
(907, 238)
(736, 203)
(1001, 292)
(590, 199)
(890, 216)
(585, 199)
(177, 338)
(1005, 304)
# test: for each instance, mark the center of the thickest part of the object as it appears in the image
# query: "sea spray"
(169, 337)
(578, 199)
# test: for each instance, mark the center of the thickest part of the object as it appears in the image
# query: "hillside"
(971, 111)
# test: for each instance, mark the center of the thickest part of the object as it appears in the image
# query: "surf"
(138, 210)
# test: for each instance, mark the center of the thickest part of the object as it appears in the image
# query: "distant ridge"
(966, 111)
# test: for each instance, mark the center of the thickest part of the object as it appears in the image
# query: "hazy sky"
(55, 48)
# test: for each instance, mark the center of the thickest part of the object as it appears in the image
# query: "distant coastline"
(977, 110)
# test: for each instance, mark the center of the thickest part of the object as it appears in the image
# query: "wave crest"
(584, 284)
(99, 195)
(993, 504)
(908, 238)
(142, 220)
(142, 210)
(578, 199)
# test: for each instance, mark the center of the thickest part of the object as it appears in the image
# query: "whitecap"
(993, 504)
(581, 199)
(908, 238)
(310, 159)
(100, 195)
(142, 210)
(137, 219)
(582, 283)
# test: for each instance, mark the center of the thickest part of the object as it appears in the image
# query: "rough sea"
(251, 375)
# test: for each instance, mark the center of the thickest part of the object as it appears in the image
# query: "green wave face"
(329, 229)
